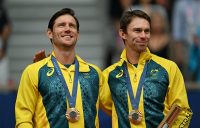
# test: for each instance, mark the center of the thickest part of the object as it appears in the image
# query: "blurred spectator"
(186, 20)
(160, 36)
(149, 7)
(168, 5)
(116, 8)
(164, 3)
(115, 45)
(194, 58)
(144, 5)
(5, 29)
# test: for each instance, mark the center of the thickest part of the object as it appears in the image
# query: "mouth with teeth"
(67, 36)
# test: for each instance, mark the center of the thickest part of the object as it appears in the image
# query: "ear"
(122, 34)
(49, 34)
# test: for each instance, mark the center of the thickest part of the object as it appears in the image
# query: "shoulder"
(112, 67)
(86, 66)
(35, 67)
(94, 67)
(165, 63)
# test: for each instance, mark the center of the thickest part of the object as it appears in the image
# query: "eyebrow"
(140, 29)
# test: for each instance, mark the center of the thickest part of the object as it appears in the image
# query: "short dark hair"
(61, 12)
(129, 15)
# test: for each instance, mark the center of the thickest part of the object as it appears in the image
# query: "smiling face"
(64, 33)
(137, 35)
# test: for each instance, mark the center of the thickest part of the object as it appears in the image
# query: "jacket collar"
(144, 56)
(83, 66)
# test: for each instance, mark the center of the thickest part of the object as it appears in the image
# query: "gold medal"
(72, 115)
(135, 117)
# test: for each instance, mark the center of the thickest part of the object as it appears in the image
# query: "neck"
(65, 56)
(132, 56)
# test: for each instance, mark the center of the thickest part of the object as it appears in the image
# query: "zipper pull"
(135, 77)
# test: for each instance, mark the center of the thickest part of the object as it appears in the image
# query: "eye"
(137, 30)
(147, 31)
(61, 25)
(71, 25)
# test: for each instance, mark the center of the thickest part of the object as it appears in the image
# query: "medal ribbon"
(135, 101)
(71, 99)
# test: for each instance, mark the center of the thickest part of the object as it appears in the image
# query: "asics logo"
(120, 74)
(50, 72)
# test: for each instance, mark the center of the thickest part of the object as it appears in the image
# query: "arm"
(177, 95)
(26, 101)
(105, 95)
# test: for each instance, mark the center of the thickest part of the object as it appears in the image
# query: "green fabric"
(118, 89)
(89, 89)
(54, 98)
(135, 65)
(155, 89)
(67, 65)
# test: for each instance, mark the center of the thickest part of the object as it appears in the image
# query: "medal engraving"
(135, 117)
(72, 115)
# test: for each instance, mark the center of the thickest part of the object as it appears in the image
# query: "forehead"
(65, 18)
(137, 22)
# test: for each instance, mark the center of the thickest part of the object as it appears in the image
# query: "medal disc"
(135, 117)
(72, 115)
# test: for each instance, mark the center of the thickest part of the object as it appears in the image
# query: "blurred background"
(175, 35)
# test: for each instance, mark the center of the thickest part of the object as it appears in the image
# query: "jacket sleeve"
(26, 100)
(105, 95)
(177, 95)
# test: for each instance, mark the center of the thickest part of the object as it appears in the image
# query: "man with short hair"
(142, 87)
(61, 90)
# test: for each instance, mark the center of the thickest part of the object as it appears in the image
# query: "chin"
(142, 49)
(68, 43)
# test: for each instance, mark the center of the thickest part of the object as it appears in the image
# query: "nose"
(67, 28)
(143, 34)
